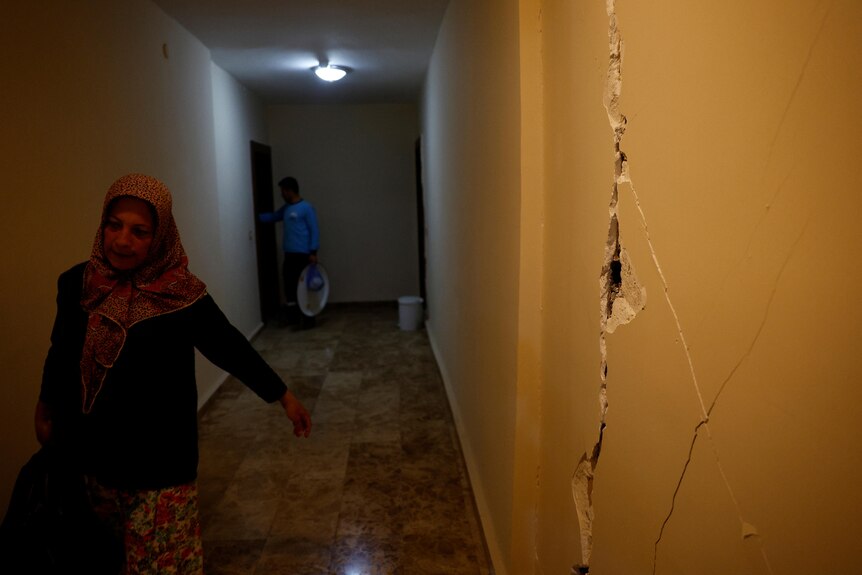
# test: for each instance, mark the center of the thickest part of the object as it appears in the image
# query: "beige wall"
(737, 227)
(579, 168)
(740, 142)
(739, 117)
(89, 95)
(355, 164)
(471, 130)
(239, 118)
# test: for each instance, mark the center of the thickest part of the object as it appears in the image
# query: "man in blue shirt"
(300, 243)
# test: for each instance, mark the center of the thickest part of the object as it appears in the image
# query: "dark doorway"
(267, 256)
(420, 216)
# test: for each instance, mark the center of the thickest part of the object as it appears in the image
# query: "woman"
(118, 389)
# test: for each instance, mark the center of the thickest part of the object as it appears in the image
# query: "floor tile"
(379, 488)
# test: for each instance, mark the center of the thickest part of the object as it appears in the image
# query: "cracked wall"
(711, 431)
(621, 296)
(700, 154)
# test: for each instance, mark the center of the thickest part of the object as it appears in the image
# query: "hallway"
(380, 486)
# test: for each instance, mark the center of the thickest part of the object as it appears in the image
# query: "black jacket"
(142, 430)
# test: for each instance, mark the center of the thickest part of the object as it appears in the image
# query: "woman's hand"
(44, 423)
(297, 413)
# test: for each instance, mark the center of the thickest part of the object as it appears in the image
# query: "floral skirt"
(159, 528)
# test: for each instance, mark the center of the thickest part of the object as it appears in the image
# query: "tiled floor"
(378, 489)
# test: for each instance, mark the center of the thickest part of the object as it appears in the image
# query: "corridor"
(379, 488)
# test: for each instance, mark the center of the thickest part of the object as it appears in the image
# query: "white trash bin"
(409, 312)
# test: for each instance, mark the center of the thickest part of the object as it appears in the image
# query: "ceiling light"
(330, 73)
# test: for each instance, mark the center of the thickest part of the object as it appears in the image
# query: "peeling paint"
(629, 297)
(748, 530)
(582, 491)
(621, 299)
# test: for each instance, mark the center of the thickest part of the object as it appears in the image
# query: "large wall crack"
(622, 298)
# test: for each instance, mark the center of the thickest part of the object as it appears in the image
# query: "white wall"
(92, 91)
(356, 165)
(239, 119)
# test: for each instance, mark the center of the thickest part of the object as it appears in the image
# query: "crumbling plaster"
(725, 418)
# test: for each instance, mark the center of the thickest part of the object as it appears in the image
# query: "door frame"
(265, 241)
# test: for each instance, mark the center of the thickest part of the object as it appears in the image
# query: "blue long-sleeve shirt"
(301, 234)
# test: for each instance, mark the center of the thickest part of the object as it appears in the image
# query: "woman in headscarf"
(118, 388)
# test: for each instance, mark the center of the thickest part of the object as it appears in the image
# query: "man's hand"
(297, 413)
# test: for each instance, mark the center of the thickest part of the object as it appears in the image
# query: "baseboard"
(487, 525)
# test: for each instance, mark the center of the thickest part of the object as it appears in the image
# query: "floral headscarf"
(116, 300)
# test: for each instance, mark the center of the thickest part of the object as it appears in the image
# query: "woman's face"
(127, 233)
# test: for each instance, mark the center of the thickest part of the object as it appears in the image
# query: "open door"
(267, 256)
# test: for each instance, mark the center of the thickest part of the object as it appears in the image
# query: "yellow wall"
(91, 91)
(472, 190)
(528, 438)
(737, 231)
(579, 166)
(740, 117)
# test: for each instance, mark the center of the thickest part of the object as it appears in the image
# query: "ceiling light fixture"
(330, 73)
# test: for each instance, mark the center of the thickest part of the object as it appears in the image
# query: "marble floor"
(379, 488)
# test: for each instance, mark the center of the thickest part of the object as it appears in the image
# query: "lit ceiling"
(270, 46)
